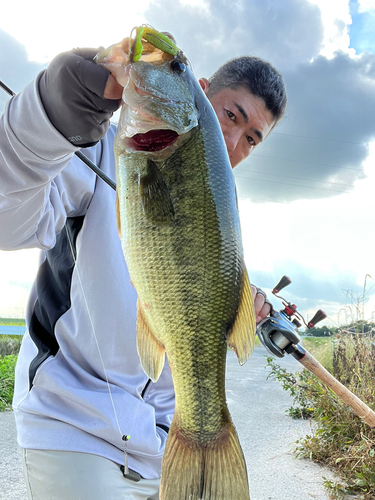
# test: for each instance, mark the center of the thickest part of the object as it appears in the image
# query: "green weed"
(7, 367)
(298, 387)
(12, 322)
(321, 348)
(9, 344)
(339, 438)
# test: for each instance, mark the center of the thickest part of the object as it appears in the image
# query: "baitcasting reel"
(279, 332)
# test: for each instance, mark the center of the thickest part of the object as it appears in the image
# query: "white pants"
(65, 475)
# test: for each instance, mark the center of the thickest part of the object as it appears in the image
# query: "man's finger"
(259, 302)
(113, 89)
(264, 312)
(261, 306)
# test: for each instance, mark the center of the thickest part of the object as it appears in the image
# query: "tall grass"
(7, 367)
(9, 348)
(338, 438)
(9, 344)
(12, 321)
(322, 349)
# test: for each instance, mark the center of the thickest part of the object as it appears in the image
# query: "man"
(80, 391)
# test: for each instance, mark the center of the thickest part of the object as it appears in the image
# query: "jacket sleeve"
(161, 396)
(40, 183)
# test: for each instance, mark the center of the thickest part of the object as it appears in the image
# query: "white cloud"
(48, 28)
(199, 4)
(336, 19)
(366, 5)
(17, 272)
(329, 240)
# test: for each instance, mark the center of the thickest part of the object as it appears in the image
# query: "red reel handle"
(285, 281)
(318, 317)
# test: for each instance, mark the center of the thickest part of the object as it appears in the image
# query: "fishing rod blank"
(80, 155)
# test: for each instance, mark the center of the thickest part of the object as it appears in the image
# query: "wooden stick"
(359, 407)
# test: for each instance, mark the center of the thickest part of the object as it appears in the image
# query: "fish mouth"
(154, 140)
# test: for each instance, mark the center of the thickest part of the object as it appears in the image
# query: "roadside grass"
(12, 322)
(339, 438)
(321, 348)
(7, 367)
(9, 344)
(9, 348)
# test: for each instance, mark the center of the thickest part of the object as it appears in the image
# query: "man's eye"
(231, 116)
(250, 140)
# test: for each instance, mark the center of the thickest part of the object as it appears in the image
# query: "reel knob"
(319, 315)
(285, 281)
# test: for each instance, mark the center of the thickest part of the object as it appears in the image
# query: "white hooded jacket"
(79, 383)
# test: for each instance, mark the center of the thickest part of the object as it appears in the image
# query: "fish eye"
(178, 66)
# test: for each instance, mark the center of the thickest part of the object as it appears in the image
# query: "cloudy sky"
(307, 193)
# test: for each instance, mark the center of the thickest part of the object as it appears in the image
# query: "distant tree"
(323, 331)
(359, 327)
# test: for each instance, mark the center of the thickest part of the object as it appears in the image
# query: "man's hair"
(259, 77)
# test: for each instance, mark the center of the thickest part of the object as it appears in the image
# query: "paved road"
(11, 480)
(267, 436)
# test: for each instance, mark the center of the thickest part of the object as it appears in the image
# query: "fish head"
(159, 105)
(162, 100)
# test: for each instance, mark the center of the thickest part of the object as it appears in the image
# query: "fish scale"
(202, 413)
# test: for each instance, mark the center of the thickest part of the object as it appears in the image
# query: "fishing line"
(124, 437)
(93, 330)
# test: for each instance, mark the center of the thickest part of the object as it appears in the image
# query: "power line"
(318, 138)
(308, 162)
(296, 185)
(291, 177)
(262, 199)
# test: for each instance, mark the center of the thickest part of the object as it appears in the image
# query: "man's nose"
(231, 140)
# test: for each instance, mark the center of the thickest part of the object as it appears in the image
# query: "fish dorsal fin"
(241, 338)
(150, 350)
(156, 199)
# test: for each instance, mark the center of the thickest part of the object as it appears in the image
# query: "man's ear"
(204, 83)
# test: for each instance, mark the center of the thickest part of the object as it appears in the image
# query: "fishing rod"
(80, 155)
(278, 334)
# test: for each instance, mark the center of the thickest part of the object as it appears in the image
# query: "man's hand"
(79, 96)
(113, 90)
(262, 308)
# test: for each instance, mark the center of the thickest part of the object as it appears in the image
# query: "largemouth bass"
(180, 234)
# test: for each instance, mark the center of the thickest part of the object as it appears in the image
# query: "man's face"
(244, 119)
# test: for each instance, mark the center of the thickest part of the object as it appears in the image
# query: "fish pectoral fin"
(241, 338)
(151, 352)
(156, 199)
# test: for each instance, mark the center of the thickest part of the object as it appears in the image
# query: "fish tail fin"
(216, 471)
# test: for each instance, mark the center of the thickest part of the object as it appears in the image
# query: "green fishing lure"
(155, 38)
